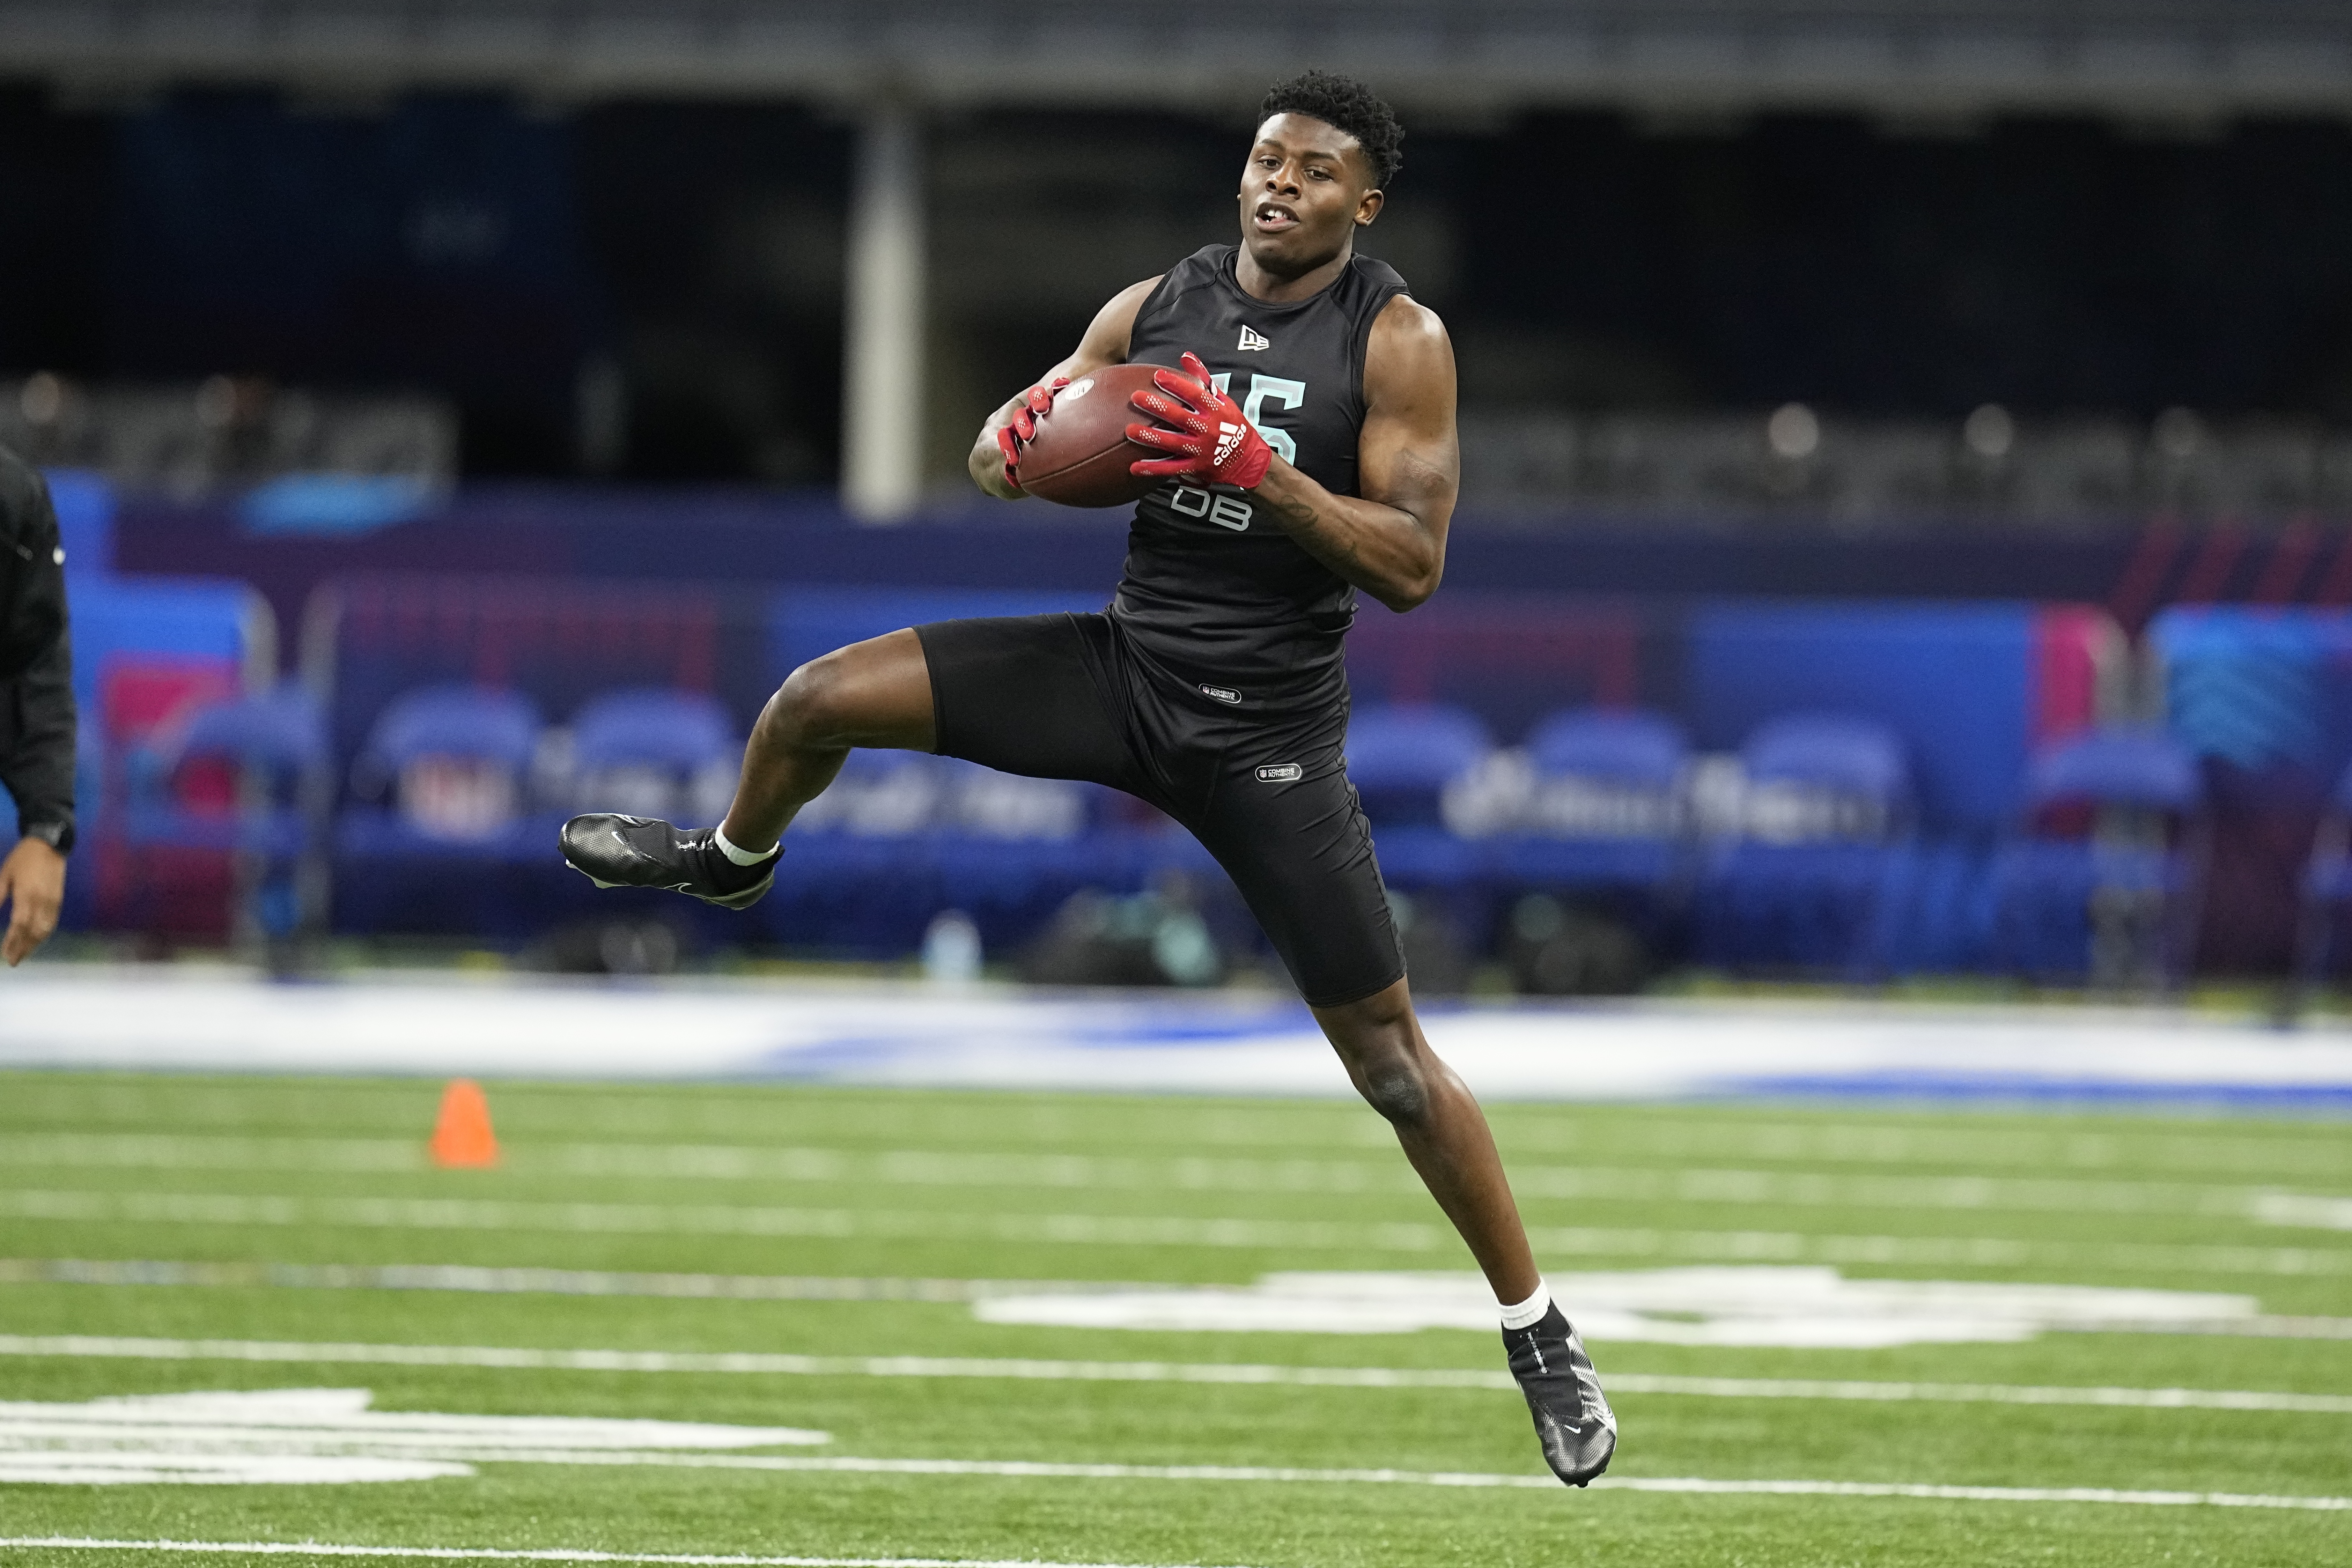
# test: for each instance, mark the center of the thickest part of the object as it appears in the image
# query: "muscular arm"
(1391, 541)
(1105, 343)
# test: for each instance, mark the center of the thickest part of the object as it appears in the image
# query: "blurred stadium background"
(1902, 590)
(1977, 377)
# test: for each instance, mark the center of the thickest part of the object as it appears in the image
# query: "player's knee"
(811, 708)
(1393, 1083)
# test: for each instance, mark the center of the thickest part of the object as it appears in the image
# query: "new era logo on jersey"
(1229, 441)
(1252, 338)
(1280, 773)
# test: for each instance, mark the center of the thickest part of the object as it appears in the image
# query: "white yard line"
(1038, 1469)
(1049, 1470)
(769, 1364)
(493, 1554)
(1183, 1129)
(1973, 1494)
(180, 1208)
(469, 1279)
(921, 1168)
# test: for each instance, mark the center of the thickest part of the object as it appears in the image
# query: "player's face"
(1305, 191)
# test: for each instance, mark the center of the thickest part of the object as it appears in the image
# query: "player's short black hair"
(1345, 104)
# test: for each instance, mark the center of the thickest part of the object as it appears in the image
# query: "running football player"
(1309, 454)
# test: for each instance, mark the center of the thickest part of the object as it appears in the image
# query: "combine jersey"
(1214, 595)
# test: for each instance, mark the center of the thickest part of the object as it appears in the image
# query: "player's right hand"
(1021, 429)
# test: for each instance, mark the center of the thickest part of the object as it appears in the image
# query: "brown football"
(1081, 452)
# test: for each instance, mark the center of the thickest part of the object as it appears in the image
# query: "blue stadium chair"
(1849, 777)
(1807, 881)
(1603, 808)
(653, 724)
(864, 874)
(2114, 899)
(899, 836)
(2326, 888)
(1009, 850)
(1401, 758)
(275, 752)
(656, 751)
(277, 741)
(477, 722)
(488, 732)
(1626, 745)
(454, 762)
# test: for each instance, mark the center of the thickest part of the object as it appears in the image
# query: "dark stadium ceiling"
(2153, 59)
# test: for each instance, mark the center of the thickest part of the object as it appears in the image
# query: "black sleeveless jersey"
(1214, 595)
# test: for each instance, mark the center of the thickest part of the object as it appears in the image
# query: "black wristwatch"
(58, 836)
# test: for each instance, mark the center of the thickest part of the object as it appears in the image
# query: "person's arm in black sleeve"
(39, 771)
(36, 709)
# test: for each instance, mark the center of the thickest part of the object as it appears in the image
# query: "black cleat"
(639, 851)
(1573, 1421)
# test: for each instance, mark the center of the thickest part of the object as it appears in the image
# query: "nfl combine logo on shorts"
(1280, 773)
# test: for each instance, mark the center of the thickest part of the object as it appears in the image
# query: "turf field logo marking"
(2304, 1209)
(314, 1436)
(1741, 1307)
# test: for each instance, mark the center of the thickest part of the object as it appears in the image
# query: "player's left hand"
(1017, 432)
(33, 883)
(1205, 427)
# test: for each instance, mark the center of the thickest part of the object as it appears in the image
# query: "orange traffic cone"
(462, 1138)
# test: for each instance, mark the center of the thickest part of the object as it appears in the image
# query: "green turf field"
(281, 1215)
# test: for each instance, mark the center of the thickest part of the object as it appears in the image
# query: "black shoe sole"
(1587, 1478)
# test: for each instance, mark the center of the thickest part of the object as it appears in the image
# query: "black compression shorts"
(1060, 697)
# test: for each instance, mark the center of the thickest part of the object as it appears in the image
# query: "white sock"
(742, 856)
(1529, 1311)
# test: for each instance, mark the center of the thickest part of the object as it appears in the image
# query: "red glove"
(1202, 423)
(1011, 438)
